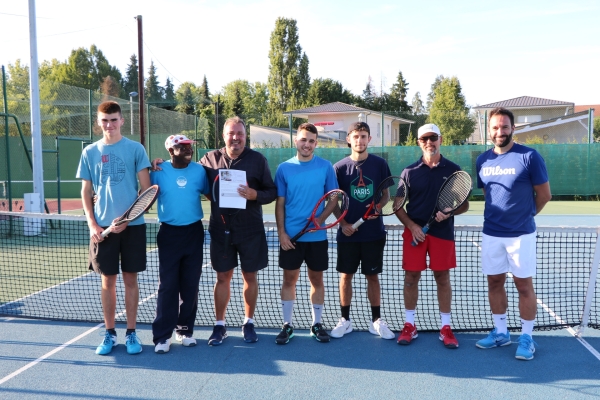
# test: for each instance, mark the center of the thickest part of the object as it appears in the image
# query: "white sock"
(527, 327)
(248, 321)
(446, 318)
(287, 307)
(410, 316)
(317, 311)
(500, 323)
(220, 323)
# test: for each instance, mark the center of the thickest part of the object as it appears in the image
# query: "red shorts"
(442, 253)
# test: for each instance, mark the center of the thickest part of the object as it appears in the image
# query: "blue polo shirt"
(423, 184)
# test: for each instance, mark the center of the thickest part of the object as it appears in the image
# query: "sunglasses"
(433, 138)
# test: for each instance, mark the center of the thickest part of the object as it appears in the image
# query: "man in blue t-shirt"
(111, 168)
(516, 188)
(301, 181)
(424, 179)
(180, 243)
(359, 175)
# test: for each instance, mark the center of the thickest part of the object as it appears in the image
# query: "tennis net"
(44, 274)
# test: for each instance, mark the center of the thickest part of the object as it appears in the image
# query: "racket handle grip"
(358, 223)
(106, 232)
(293, 240)
(424, 229)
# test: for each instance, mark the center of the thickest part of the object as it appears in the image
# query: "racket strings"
(338, 203)
(390, 200)
(142, 203)
(454, 193)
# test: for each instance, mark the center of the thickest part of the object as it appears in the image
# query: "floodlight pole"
(131, 96)
(141, 80)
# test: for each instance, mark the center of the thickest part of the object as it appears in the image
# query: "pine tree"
(397, 98)
(130, 82)
(170, 102)
(417, 104)
(450, 112)
(152, 90)
(368, 95)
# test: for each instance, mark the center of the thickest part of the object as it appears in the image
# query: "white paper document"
(229, 182)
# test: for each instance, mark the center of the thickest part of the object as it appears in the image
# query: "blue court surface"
(48, 359)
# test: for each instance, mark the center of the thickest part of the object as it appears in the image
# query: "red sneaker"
(448, 338)
(409, 332)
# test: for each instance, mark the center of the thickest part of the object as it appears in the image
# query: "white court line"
(64, 345)
(585, 344)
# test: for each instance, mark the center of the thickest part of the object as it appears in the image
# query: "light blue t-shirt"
(303, 183)
(180, 192)
(113, 169)
(508, 180)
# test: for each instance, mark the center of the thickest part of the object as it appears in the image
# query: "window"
(528, 119)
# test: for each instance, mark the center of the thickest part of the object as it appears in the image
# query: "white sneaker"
(341, 328)
(185, 340)
(163, 347)
(380, 327)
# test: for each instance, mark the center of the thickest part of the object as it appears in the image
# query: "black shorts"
(313, 253)
(368, 254)
(130, 245)
(253, 254)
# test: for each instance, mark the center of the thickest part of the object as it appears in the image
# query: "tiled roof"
(327, 108)
(526, 101)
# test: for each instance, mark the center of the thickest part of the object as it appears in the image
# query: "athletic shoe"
(185, 340)
(343, 326)
(448, 338)
(219, 334)
(287, 332)
(526, 347)
(318, 332)
(133, 343)
(249, 333)
(163, 347)
(107, 344)
(409, 332)
(380, 327)
(494, 339)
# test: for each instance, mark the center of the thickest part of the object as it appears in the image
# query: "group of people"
(513, 178)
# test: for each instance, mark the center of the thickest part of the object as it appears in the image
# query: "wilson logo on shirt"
(113, 169)
(489, 171)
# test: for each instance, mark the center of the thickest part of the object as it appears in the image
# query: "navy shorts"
(313, 253)
(368, 254)
(128, 246)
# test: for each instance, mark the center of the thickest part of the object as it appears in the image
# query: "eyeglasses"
(433, 138)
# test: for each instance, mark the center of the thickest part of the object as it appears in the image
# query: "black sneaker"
(318, 332)
(249, 334)
(219, 334)
(287, 332)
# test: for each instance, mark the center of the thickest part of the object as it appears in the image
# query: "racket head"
(141, 204)
(392, 193)
(454, 192)
(335, 205)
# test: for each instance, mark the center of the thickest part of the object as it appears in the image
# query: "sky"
(497, 50)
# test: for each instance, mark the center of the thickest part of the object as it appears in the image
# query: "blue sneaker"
(249, 333)
(526, 348)
(133, 344)
(219, 334)
(107, 344)
(494, 340)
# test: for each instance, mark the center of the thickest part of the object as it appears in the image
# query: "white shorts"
(516, 255)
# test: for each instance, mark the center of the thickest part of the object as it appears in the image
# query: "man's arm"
(415, 229)
(87, 193)
(144, 178)
(284, 238)
(542, 196)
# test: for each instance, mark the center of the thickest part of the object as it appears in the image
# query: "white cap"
(427, 128)
(177, 139)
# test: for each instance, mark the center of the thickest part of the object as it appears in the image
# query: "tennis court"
(50, 303)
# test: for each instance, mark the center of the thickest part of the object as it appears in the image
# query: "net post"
(585, 316)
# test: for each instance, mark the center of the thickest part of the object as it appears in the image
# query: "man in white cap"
(180, 241)
(424, 179)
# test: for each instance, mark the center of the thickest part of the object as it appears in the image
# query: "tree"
(323, 91)
(431, 95)
(185, 97)
(288, 80)
(17, 84)
(204, 92)
(597, 129)
(130, 82)
(450, 112)
(152, 90)
(417, 104)
(368, 95)
(169, 95)
(110, 87)
(397, 98)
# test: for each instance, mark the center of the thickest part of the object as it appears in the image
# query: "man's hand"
(155, 164)
(285, 242)
(347, 228)
(417, 233)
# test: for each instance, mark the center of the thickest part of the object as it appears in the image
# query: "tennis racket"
(453, 193)
(137, 209)
(389, 197)
(328, 212)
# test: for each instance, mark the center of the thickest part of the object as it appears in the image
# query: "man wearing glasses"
(424, 179)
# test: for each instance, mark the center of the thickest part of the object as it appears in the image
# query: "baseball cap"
(359, 126)
(428, 128)
(177, 139)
